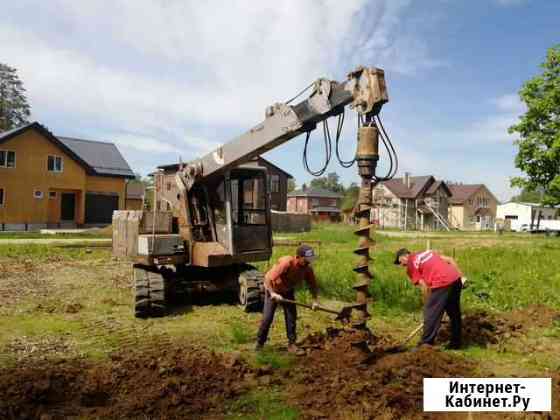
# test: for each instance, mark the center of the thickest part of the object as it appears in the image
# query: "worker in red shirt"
(439, 277)
(280, 283)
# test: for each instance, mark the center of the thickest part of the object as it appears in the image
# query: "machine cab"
(239, 203)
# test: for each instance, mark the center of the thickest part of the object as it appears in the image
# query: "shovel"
(401, 347)
(343, 315)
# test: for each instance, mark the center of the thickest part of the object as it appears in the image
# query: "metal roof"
(311, 192)
(98, 158)
(417, 185)
(103, 157)
(462, 192)
(175, 166)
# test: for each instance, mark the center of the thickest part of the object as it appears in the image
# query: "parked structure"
(51, 181)
(525, 216)
(321, 204)
(472, 207)
(412, 203)
(277, 178)
(135, 192)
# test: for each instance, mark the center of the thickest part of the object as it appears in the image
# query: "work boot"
(452, 346)
(295, 350)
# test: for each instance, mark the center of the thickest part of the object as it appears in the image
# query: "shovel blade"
(345, 314)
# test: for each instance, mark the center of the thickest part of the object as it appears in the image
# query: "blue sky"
(174, 79)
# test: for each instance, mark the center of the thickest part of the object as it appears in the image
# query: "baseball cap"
(400, 253)
(306, 252)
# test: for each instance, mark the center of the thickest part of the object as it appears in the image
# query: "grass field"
(76, 302)
(505, 272)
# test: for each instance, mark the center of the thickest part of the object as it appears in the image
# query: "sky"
(168, 81)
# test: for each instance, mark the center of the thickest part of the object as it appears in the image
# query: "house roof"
(434, 187)
(103, 157)
(275, 166)
(524, 203)
(462, 192)
(98, 158)
(418, 184)
(314, 192)
(175, 166)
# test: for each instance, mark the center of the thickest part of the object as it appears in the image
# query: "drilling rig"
(220, 202)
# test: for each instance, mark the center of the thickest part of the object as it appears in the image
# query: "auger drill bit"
(367, 157)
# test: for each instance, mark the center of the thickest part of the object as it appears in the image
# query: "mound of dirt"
(331, 382)
(169, 383)
(483, 328)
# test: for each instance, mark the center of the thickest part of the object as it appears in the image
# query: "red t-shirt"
(286, 275)
(431, 268)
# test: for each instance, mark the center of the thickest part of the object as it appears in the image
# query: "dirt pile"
(483, 328)
(331, 382)
(171, 383)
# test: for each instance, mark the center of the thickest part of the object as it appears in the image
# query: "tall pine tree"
(14, 109)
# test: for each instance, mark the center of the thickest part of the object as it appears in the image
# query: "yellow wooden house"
(52, 181)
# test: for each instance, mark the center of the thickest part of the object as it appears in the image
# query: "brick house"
(472, 207)
(277, 178)
(52, 181)
(411, 203)
(321, 204)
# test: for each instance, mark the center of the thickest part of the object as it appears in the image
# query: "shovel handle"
(412, 334)
(305, 305)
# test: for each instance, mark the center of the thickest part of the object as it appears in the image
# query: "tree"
(528, 196)
(331, 182)
(539, 131)
(350, 196)
(14, 109)
(291, 184)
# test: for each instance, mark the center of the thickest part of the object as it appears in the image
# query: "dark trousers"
(290, 316)
(444, 299)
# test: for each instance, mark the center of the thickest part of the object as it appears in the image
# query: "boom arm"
(364, 89)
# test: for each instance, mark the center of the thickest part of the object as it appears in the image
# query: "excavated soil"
(483, 328)
(163, 383)
(336, 380)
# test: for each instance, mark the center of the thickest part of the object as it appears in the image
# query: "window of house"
(7, 159)
(314, 202)
(477, 219)
(37, 193)
(54, 164)
(510, 217)
(2, 196)
(274, 183)
(52, 195)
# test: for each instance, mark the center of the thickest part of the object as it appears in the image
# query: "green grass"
(65, 235)
(261, 404)
(43, 252)
(276, 360)
(505, 271)
(240, 334)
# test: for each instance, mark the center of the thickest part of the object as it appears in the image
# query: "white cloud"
(510, 103)
(163, 78)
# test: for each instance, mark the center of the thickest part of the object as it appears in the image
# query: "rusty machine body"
(220, 202)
